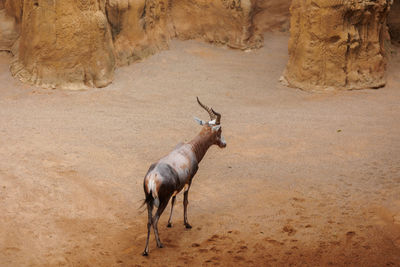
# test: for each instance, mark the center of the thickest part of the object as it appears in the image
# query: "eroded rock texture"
(10, 15)
(272, 15)
(14, 8)
(394, 22)
(9, 31)
(337, 44)
(228, 22)
(77, 44)
(139, 28)
(65, 44)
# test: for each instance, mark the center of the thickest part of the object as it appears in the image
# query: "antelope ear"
(201, 122)
(216, 128)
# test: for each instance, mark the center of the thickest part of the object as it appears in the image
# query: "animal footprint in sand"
(349, 236)
(273, 242)
(290, 230)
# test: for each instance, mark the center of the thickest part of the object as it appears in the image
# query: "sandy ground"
(306, 179)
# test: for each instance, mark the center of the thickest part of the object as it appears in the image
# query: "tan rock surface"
(9, 31)
(77, 45)
(139, 28)
(217, 21)
(394, 22)
(337, 44)
(14, 8)
(65, 45)
(272, 15)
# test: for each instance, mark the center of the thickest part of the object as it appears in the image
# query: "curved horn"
(218, 119)
(209, 110)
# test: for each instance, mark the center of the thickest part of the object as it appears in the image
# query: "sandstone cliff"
(216, 21)
(394, 22)
(337, 44)
(9, 31)
(272, 15)
(10, 18)
(65, 45)
(14, 8)
(77, 44)
(139, 28)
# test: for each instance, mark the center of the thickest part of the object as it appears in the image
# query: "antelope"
(174, 172)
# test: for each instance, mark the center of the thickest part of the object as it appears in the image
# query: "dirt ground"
(306, 179)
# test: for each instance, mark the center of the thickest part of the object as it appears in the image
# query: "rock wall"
(394, 22)
(14, 8)
(65, 45)
(9, 30)
(10, 18)
(227, 22)
(77, 44)
(337, 44)
(139, 27)
(272, 15)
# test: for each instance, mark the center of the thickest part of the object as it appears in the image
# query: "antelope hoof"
(188, 226)
(160, 245)
(169, 225)
(145, 253)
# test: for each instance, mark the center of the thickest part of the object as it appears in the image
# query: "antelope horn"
(209, 110)
(218, 119)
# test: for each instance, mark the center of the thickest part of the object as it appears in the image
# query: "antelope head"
(213, 126)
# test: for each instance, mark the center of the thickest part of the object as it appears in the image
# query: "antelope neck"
(201, 143)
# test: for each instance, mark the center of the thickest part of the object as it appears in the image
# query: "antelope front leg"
(185, 203)
(170, 215)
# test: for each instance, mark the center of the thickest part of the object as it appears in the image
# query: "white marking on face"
(223, 140)
(212, 122)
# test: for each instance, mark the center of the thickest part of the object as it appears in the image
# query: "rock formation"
(9, 31)
(139, 28)
(65, 45)
(227, 22)
(10, 18)
(77, 44)
(272, 15)
(394, 22)
(13, 8)
(337, 44)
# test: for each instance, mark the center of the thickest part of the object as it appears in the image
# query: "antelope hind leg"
(172, 208)
(149, 223)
